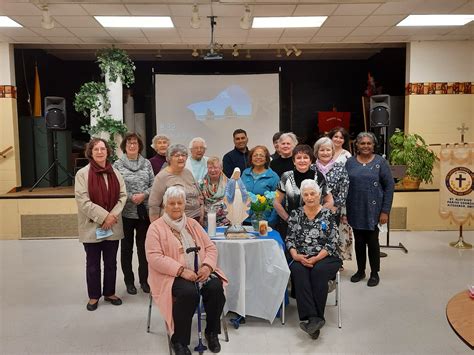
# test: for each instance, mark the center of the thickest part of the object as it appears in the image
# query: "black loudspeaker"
(55, 112)
(380, 111)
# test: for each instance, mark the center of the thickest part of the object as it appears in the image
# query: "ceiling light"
(246, 19)
(278, 55)
(8, 22)
(195, 18)
(46, 22)
(288, 22)
(436, 20)
(288, 51)
(235, 52)
(135, 21)
(158, 54)
(248, 56)
(297, 52)
(195, 53)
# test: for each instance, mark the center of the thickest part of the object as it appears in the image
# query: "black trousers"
(311, 285)
(185, 301)
(370, 239)
(126, 249)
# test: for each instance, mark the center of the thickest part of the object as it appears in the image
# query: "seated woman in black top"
(312, 243)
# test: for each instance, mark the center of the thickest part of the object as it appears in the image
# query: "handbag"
(142, 212)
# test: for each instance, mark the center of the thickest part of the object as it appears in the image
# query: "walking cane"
(200, 347)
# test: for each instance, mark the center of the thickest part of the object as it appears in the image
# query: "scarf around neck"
(213, 192)
(133, 165)
(100, 193)
(324, 169)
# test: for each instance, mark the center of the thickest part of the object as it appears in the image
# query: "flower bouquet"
(261, 206)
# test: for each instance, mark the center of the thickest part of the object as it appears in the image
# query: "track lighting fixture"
(195, 53)
(195, 18)
(246, 19)
(158, 54)
(46, 22)
(288, 51)
(248, 56)
(297, 52)
(278, 54)
(235, 52)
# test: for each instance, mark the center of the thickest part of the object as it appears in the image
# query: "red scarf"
(99, 193)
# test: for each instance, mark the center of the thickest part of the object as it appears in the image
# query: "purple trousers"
(108, 250)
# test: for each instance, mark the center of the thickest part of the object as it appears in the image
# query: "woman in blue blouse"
(312, 243)
(369, 201)
(259, 178)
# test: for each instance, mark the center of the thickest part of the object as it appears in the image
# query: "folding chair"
(337, 297)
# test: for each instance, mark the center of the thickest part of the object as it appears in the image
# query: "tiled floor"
(43, 298)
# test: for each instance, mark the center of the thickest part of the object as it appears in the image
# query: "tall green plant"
(411, 150)
(116, 63)
(88, 98)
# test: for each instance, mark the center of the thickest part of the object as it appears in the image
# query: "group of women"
(321, 193)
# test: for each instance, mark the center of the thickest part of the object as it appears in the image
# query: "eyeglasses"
(258, 156)
(132, 143)
(179, 155)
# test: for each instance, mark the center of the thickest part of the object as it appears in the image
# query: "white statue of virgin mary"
(237, 200)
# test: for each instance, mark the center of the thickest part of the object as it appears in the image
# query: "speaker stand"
(54, 165)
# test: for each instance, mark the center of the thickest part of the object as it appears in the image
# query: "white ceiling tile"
(148, 10)
(28, 21)
(397, 7)
(342, 21)
(89, 32)
(292, 40)
(304, 32)
(314, 10)
(77, 21)
(228, 32)
(131, 40)
(326, 39)
(162, 35)
(54, 32)
(422, 37)
(11, 8)
(224, 10)
(437, 6)
(467, 8)
(401, 31)
(266, 32)
(231, 40)
(124, 32)
(392, 38)
(382, 20)
(186, 10)
(260, 40)
(434, 30)
(16, 31)
(184, 22)
(359, 39)
(191, 32)
(227, 22)
(5, 39)
(335, 31)
(456, 37)
(29, 39)
(369, 31)
(273, 10)
(63, 40)
(355, 9)
(66, 9)
(92, 40)
(197, 41)
(106, 9)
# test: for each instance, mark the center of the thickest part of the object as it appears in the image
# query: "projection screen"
(213, 106)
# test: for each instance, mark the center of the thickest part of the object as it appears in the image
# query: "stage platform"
(45, 212)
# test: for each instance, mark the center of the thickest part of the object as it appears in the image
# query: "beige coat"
(91, 216)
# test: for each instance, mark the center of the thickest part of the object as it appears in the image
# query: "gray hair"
(157, 137)
(214, 160)
(175, 191)
(324, 141)
(369, 135)
(290, 135)
(175, 148)
(196, 140)
(310, 184)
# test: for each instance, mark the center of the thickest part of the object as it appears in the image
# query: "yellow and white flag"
(456, 182)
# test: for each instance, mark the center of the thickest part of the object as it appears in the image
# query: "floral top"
(311, 236)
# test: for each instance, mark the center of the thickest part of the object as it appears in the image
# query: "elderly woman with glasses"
(176, 174)
(173, 278)
(312, 243)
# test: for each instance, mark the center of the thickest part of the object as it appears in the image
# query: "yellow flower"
(262, 199)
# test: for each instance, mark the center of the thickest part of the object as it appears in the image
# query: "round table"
(460, 314)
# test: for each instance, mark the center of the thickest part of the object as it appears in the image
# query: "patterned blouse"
(337, 181)
(311, 236)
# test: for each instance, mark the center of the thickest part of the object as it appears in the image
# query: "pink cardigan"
(164, 261)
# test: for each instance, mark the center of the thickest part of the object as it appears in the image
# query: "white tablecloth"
(258, 276)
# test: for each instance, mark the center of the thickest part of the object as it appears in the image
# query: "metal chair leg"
(283, 308)
(169, 343)
(338, 299)
(149, 314)
(224, 326)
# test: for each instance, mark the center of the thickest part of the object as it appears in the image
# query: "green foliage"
(117, 63)
(109, 125)
(87, 98)
(411, 150)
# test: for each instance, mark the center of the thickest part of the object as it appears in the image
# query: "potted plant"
(412, 151)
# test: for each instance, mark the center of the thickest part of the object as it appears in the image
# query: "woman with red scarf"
(100, 196)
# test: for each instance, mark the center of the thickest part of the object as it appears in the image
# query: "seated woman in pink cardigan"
(172, 277)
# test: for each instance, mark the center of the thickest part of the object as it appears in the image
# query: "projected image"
(232, 102)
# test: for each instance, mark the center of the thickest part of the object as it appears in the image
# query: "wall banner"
(457, 182)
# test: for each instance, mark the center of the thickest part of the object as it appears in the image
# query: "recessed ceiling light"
(288, 22)
(8, 22)
(135, 21)
(436, 20)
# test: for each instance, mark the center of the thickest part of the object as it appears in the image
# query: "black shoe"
(304, 327)
(145, 287)
(180, 349)
(213, 342)
(373, 280)
(92, 306)
(115, 301)
(131, 289)
(315, 324)
(358, 276)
